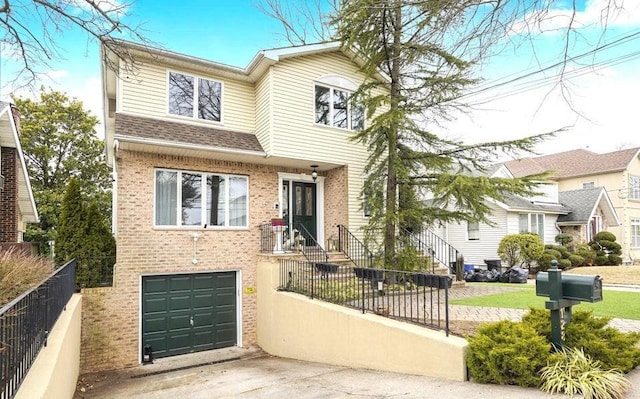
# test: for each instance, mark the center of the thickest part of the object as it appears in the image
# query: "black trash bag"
(481, 276)
(493, 276)
(518, 275)
(469, 276)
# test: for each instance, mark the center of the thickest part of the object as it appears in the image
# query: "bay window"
(635, 233)
(200, 199)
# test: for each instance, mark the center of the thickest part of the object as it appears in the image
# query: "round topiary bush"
(605, 236)
(507, 352)
(601, 260)
(576, 260)
(564, 264)
(615, 260)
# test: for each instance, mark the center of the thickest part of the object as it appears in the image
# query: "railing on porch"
(419, 298)
(430, 244)
(353, 248)
(295, 238)
(25, 323)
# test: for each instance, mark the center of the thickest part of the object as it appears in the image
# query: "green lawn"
(621, 304)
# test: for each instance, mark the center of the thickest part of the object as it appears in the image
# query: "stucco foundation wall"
(54, 374)
(294, 326)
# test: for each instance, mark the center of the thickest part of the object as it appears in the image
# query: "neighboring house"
(617, 172)
(203, 154)
(547, 215)
(17, 206)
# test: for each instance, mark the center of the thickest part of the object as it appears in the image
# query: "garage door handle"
(191, 321)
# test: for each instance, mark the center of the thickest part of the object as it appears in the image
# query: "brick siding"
(111, 316)
(9, 209)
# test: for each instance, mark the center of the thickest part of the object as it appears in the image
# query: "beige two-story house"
(203, 155)
(617, 172)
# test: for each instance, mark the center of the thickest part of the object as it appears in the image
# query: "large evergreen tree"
(59, 141)
(83, 235)
(408, 42)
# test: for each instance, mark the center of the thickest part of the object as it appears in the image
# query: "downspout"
(114, 189)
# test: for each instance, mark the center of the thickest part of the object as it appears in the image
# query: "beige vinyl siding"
(264, 110)
(145, 94)
(294, 133)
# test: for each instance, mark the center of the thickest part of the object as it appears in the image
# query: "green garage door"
(187, 313)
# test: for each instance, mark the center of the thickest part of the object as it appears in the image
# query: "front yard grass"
(619, 304)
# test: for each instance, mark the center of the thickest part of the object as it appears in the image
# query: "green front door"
(304, 206)
(186, 313)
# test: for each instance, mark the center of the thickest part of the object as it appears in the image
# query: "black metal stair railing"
(294, 238)
(430, 244)
(354, 249)
(310, 247)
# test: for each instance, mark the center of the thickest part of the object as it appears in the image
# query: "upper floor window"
(473, 231)
(634, 187)
(200, 199)
(333, 107)
(588, 184)
(532, 223)
(195, 97)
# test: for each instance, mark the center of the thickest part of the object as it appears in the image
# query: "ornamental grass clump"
(19, 272)
(574, 373)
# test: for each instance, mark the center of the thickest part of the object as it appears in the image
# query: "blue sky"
(602, 110)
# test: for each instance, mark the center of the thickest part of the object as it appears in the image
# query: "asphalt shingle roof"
(182, 133)
(573, 163)
(582, 202)
(517, 202)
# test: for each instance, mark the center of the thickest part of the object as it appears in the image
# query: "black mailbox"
(574, 287)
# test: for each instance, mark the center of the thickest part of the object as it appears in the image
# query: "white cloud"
(602, 13)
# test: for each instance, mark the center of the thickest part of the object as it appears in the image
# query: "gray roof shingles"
(182, 133)
(581, 203)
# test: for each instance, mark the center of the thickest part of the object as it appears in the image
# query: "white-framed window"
(634, 187)
(532, 223)
(588, 184)
(200, 199)
(473, 231)
(333, 107)
(635, 233)
(194, 97)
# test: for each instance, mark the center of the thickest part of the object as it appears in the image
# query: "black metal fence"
(96, 271)
(420, 298)
(25, 324)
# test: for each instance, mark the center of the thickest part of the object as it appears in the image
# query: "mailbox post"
(563, 294)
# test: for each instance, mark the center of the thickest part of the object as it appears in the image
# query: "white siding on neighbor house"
(294, 133)
(145, 94)
(476, 251)
(550, 231)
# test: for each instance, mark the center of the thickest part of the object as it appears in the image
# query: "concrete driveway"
(262, 376)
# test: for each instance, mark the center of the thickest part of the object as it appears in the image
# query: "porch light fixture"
(314, 172)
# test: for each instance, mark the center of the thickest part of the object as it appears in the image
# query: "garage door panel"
(180, 283)
(171, 302)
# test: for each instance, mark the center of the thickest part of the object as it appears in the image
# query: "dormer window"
(194, 97)
(333, 107)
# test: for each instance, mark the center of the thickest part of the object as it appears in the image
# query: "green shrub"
(507, 352)
(573, 373)
(576, 260)
(544, 262)
(553, 252)
(564, 239)
(587, 253)
(605, 235)
(518, 249)
(564, 263)
(601, 260)
(611, 347)
(615, 260)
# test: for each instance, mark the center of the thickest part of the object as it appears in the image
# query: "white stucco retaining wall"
(54, 374)
(294, 326)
